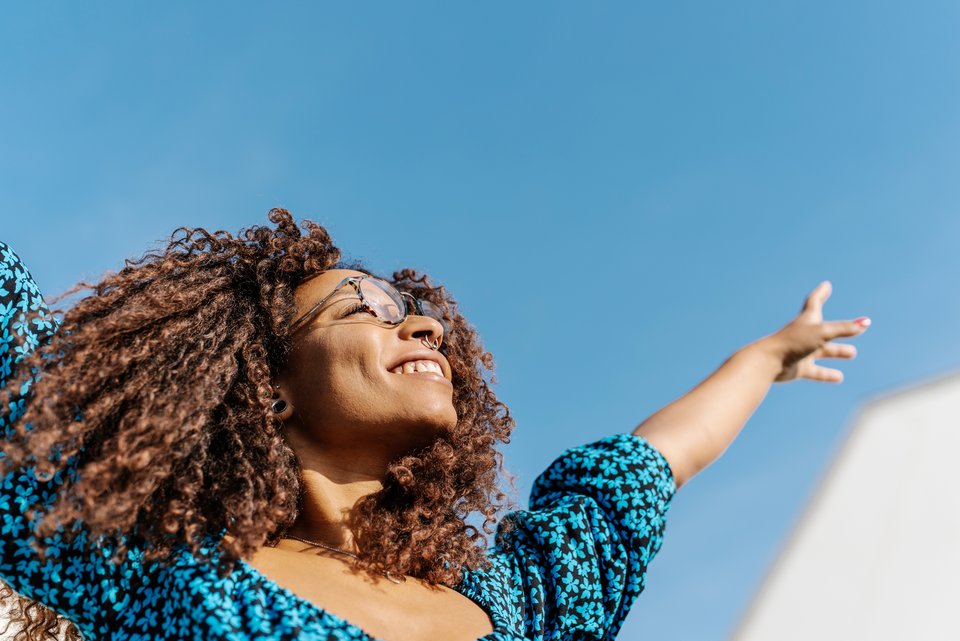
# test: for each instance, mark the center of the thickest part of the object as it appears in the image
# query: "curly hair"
(157, 388)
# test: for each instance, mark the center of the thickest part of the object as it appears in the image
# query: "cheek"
(337, 378)
(341, 379)
(354, 381)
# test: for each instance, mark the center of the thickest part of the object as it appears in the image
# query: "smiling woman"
(242, 438)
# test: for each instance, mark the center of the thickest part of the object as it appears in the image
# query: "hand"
(807, 338)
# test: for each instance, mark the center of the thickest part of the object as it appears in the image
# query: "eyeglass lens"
(392, 306)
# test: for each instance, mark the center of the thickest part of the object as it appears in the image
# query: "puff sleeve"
(571, 566)
(77, 577)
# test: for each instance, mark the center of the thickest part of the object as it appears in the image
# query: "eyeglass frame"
(354, 281)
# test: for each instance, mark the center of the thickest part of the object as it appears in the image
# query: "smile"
(413, 367)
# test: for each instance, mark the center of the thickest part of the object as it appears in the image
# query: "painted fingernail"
(863, 321)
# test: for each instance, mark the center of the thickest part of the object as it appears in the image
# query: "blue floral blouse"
(569, 568)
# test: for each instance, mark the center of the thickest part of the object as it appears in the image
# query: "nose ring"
(435, 345)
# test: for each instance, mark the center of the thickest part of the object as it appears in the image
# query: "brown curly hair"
(158, 386)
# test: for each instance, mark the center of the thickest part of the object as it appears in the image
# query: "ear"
(281, 407)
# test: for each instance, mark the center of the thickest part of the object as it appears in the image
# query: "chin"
(441, 423)
(435, 411)
(447, 419)
(427, 429)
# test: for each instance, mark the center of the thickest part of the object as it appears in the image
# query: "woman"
(241, 438)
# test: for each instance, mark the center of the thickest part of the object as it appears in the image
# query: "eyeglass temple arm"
(353, 280)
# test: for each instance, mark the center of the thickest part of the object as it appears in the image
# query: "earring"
(278, 406)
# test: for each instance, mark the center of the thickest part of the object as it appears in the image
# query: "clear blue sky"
(669, 179)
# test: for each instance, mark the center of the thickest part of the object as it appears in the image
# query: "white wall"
(877, 553)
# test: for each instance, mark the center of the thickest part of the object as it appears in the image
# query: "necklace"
(322, 545)
(389, 575)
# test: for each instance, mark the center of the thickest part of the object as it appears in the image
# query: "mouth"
(421, 365)
(418, 367)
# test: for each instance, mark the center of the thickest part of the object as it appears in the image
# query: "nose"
(421, 327)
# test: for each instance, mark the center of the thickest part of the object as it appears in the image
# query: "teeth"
(418, 366)
(428, 366)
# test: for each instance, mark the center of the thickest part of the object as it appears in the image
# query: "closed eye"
(359, 307)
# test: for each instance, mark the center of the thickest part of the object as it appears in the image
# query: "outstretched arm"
(694, 430)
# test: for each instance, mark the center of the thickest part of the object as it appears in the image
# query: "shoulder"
(18, 290)
(11, 265)
(25, 320)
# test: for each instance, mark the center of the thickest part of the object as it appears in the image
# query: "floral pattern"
(570, 567)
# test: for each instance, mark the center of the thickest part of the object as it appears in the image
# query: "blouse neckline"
(498, 626)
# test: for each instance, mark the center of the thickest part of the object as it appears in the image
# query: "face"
(351, 380)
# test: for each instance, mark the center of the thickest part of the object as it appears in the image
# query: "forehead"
(309, 292)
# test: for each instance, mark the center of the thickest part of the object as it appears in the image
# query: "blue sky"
(619, 194)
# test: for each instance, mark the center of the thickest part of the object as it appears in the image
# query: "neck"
(334, 479)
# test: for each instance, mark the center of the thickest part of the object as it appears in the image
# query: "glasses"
(381, 298)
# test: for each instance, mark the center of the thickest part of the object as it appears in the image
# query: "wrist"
(765, 354)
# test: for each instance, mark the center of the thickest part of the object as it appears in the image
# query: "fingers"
(830, 330)
(833, 329)
(816, 372)
(843, 329)
(818, 297)
(823, 374)
(837, 350)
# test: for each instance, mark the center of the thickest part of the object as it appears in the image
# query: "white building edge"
(876, 553)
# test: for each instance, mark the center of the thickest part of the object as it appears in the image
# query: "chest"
(409, 611)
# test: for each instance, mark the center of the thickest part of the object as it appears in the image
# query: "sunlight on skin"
(696, 429)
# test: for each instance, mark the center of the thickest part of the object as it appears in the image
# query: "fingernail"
(863, 321)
